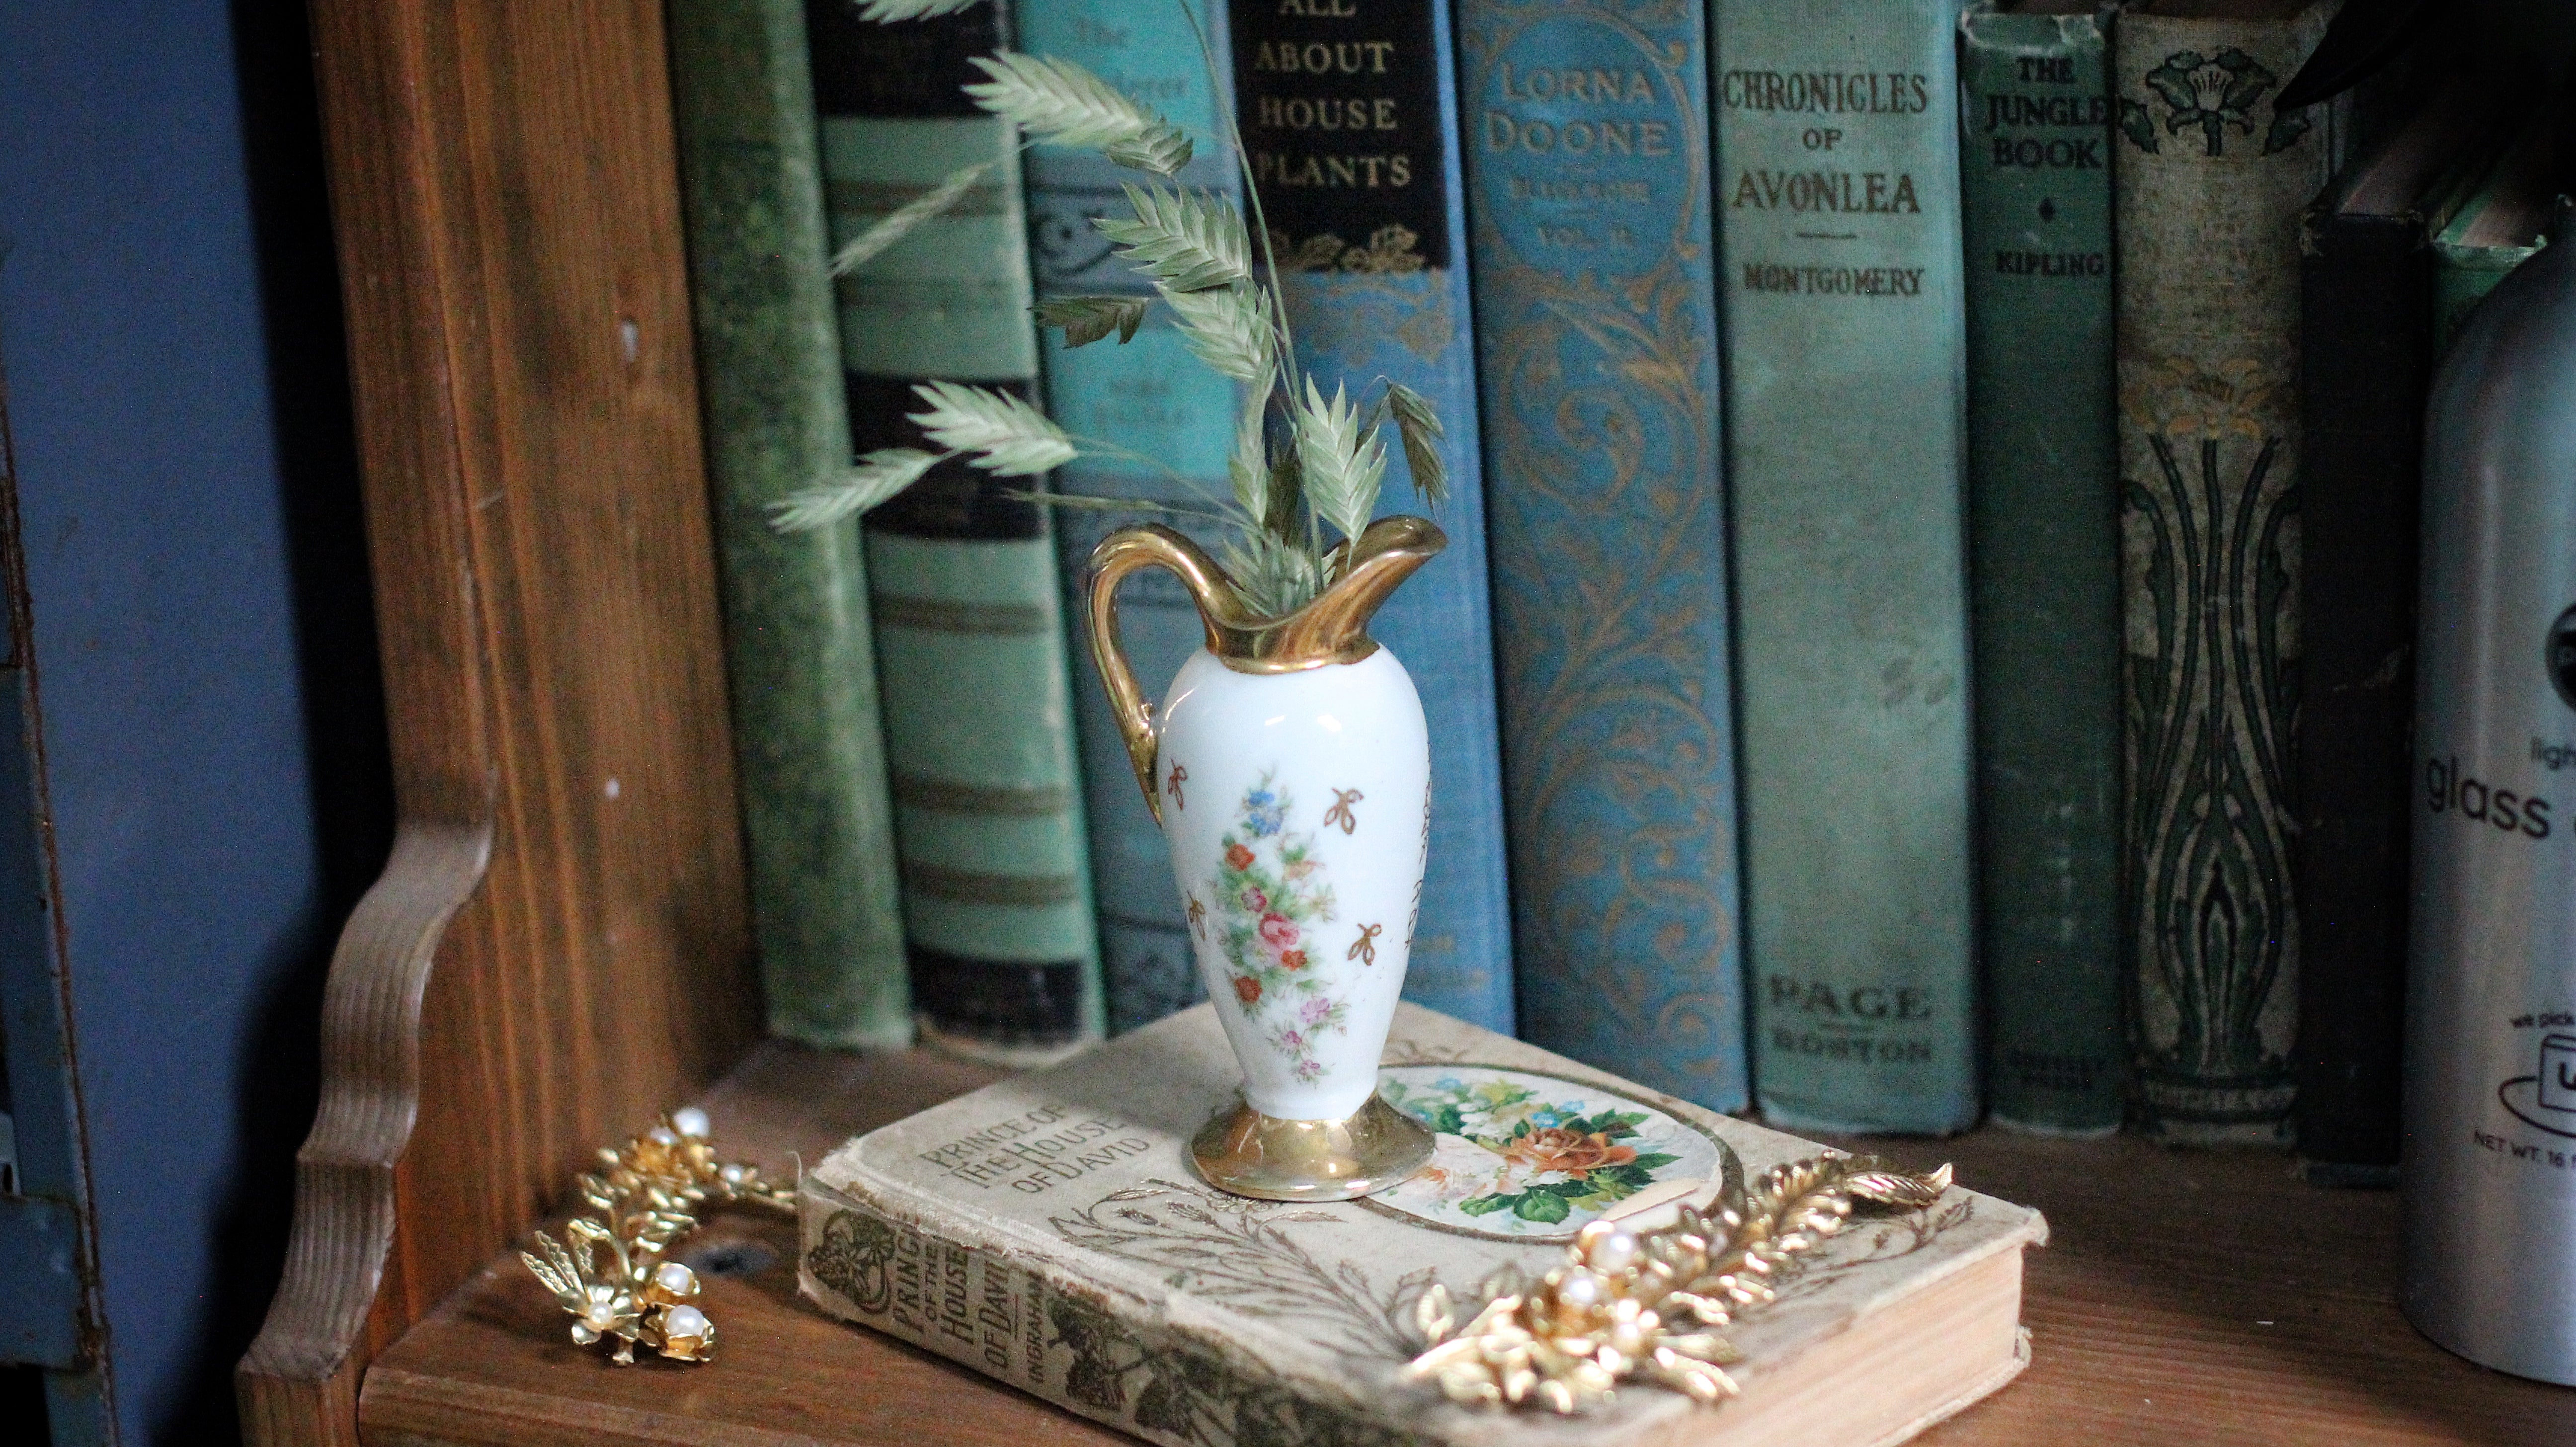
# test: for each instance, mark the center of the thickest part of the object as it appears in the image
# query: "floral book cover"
(1048, 1231)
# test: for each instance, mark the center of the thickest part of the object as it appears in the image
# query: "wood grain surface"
(558, 946)
(2183, 1299)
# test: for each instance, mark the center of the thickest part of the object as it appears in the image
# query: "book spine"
(816, 818)
(1596, 318)
(2044, 561)
(1096, 1353)
(970, 637)
(1150, 396)
(2208, 189)
(1838, 192)
(2366, 365)
(1350, 116)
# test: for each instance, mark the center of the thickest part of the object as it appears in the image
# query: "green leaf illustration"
(1541, 1205)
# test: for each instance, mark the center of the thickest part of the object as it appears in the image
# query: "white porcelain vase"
(1290, 768)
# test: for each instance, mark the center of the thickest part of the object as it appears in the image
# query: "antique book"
(2366, 363)
(1349, 114)
(1047, 1231)
(1596, 331)
(2494, 231)
(2207, 193)
(1151, 397)
(1838, 213)
(2044, 557)
(970, 633)
(816, 818)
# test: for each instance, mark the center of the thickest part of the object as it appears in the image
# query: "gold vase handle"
(1119, 554)
(1333, 628)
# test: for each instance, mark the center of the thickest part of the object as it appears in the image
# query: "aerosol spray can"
(2489, 1172)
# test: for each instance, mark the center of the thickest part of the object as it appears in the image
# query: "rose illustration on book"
(1270, 896)
(1528, 1154)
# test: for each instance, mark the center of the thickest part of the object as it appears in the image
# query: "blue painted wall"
(212, 737)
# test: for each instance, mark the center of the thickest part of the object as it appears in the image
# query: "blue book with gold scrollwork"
(1349, 115)
(1596, 326)
(1155, 400)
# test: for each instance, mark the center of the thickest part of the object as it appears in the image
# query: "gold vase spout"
(1331, 629)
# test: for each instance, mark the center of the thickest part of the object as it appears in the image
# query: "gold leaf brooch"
(1649, 1306)
(646, 1196)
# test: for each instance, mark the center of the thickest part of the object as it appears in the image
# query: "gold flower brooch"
(1649, 1306)
(646, 1196)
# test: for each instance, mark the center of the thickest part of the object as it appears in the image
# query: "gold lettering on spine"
(1322, 57)
(1294, 114)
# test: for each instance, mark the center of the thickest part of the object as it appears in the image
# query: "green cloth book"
(1838, 214)
(970, 631)
(816, 818)
(2044, 557)
(2208, 189)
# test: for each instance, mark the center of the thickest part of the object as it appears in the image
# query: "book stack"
(1925, 632)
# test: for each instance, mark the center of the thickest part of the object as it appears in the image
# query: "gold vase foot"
(1250, 1154)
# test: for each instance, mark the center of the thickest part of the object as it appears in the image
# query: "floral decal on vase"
(1269, 898)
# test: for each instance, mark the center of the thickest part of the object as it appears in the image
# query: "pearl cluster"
(645, 1197)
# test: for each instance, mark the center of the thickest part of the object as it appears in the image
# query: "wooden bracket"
(558, 947)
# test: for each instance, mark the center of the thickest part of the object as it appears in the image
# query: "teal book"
(816, 818)
(1350, 115)
(969, 619)
(1838, 197)
(1587, 142)
(2044, 556)
(1150, 396)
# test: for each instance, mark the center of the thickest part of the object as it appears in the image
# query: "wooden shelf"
(2183, 1298)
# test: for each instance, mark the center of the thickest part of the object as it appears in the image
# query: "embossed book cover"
(1047, 1231)
(2208, 187)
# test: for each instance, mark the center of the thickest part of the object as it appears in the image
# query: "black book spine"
(2366, 303)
